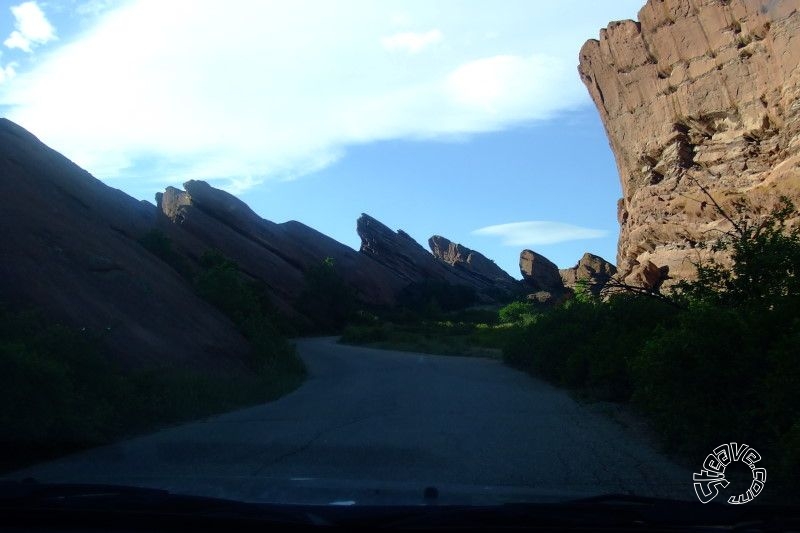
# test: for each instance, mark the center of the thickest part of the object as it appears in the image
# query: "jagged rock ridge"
(476, 263)
(202, 218)
(697, 92)
(404, 256)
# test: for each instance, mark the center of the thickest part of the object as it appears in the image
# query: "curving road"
(372, 426)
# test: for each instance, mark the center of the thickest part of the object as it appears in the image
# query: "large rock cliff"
(697, 93)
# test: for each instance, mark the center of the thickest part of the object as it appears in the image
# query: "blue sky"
(460, 118)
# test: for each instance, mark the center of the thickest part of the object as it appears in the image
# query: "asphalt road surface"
(373, 426)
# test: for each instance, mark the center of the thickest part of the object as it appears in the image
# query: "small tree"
(766, 259)
(327, 299)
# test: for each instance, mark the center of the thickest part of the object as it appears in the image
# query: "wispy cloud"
(242, 92)
(32, 27)
(539, 232)
(411, 42)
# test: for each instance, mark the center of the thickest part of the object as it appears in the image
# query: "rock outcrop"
(696, 93)
(73, 247)
(69, 248)
(539, 273)
(476, 263)
(410, 262)
(203, 217)
(595, 270)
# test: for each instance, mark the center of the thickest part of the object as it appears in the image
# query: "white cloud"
(539, 232)
(93, 8)
(411, 42)
(241, 92)
(32, 27)
(7, 72)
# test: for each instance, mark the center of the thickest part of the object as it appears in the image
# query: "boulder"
(592, 268)
(539, 273)
(646, 275)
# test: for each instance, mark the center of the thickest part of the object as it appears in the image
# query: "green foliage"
(327, 299)
(158, 244)
(722, 365)
(467, 332)
(586, 344)
(60, 393)
(766, 259)
(432, 298)
(246, 303)
(517, 313)
(583, 291)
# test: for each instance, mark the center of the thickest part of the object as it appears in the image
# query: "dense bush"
(431, 298)
(327, 299)
(587, 344)
(247, 305)
(520, 312)
(716, 362)
(59, 392)
(158, 244)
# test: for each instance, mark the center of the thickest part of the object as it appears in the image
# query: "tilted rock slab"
(69, 248)
(476, 263)
(404, 256)
(539, 273)
(697, 92)
(202, 218)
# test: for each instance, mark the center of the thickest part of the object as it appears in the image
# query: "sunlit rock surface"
(696, 93)
(592, 269)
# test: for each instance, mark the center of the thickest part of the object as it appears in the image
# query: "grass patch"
(439, 337)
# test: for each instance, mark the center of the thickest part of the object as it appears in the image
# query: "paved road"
(374, 426)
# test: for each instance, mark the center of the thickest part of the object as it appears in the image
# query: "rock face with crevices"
(697, 93)
(592, 269)
(461, 257)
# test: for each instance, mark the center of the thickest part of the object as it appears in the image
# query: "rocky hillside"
(696, 93)
(202, 218)
(73, 247)
(448, 262)
(69, 246)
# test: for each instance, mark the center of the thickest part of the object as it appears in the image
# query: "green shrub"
(431, 298)
(516, 312)
(715, 362)
(365, 334)
(158, 244)
(60, 393)
(327, 299)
